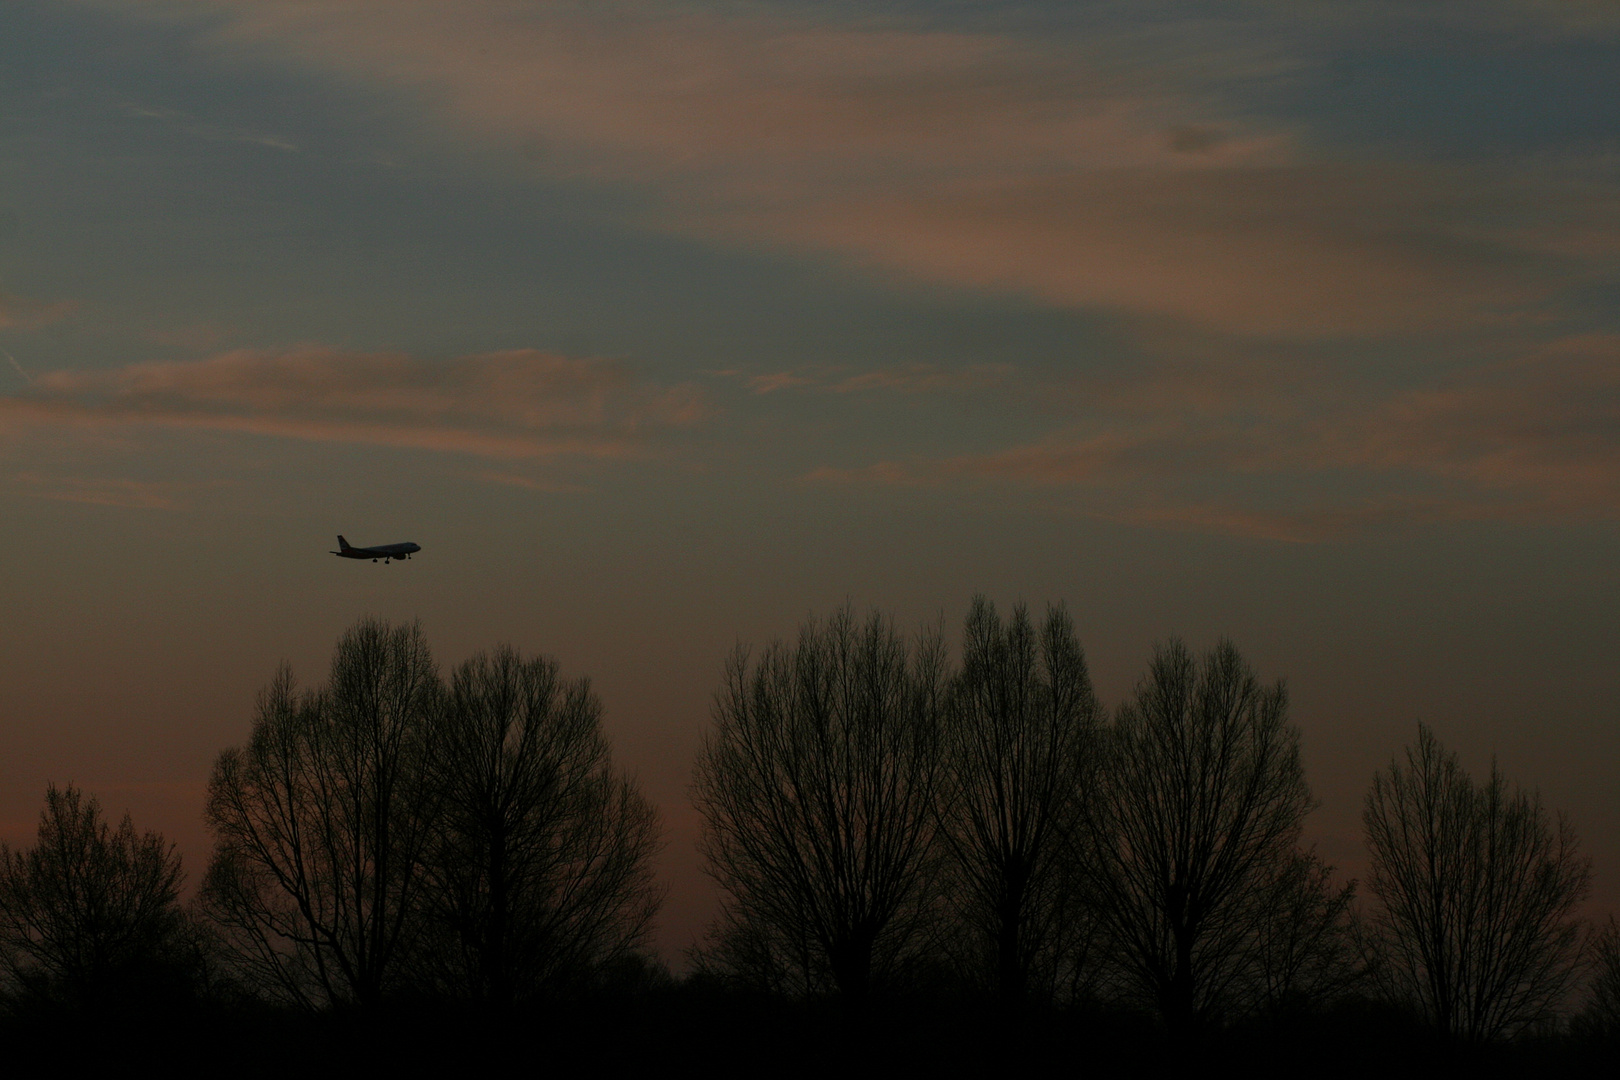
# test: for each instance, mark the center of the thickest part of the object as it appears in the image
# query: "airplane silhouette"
(385, 552)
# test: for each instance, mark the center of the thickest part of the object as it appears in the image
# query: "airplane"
(385, 552)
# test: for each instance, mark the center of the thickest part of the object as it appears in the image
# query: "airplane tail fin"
(342, 543)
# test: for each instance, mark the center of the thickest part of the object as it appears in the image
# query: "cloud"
(537, 484)
(1396, 20)
(1541, 18)
(195, 337)
(924, 379)
(1107, 171)
(506, 405)
(915, 378)
(22, 313)
(889, 473)
(1547, 423)
(777, 380)
(1303, 455)
(1275, 250)
(128, 494)
(207, 130)
(18, 368)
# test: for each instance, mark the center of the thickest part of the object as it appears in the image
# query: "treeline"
(878, 821)
(894, 836)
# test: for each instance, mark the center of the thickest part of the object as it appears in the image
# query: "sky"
(665, 326)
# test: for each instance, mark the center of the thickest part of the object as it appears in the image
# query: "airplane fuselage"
(385, 552)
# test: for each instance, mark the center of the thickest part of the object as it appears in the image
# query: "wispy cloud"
(195, 337)
(204, 129)
(539, 484)
(1107, 171)
(890, 473)
(18, 368)
(507, 405)
(1308, 456)
(1516, 20)
(24, 313)
(916, 378)
(123, 493)
(776, 380)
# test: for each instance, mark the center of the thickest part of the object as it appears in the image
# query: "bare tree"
(1306, 950)
(1196, 819)
(320, 821)
(1601, 1016)
(1477, 890)
(540, 870)
(817, 789)
(89, 913)
(1022, 745)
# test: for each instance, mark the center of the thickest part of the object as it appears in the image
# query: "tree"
(1601, 1016)
(1305, 954)
(1021, 746)
(89, 914)
(816, 787)
(1477, 890)
(321, 819)
(540, 870)
(1196, 818)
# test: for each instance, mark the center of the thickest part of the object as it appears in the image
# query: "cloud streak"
(1099, 173)
(24, 313)
(121, 493)
(211, 132)
(519, 404)
(1304, 456)
(915, 378)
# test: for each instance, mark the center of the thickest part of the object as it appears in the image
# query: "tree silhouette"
(1306, 950)
(1196, 819)
(539, 870)
(1022, 744)
(321, 819)
(90, 914)
(1476, 890)
(1601, 1016)
(816, 787)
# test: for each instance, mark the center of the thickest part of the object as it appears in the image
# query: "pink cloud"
(925, 378)
(124, 493)
(23, 313)
(889, 473)
(1275, 249)
(507, 405)
(1302, 455)
(1546, 422)
(538, 484)
(1103, 173)
(197, 337)
(776, 380)
(915, 378)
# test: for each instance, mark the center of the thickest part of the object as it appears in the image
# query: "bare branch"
(817, 790)
(1477, 889)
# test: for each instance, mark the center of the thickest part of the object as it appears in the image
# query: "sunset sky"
(662, 326)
